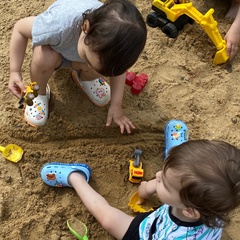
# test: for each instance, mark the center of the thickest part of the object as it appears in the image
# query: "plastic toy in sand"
(12, 152)
(31, 92)
(135, 168)
(136, 82)
(171, 16)
(135, 202)
(77, 228)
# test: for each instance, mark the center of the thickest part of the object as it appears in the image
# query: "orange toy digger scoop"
(12, 152)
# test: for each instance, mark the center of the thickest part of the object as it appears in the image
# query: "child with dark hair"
(199, 186)
(92, 38)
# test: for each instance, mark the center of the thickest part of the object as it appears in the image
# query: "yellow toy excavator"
(171, 18)
(31, 92)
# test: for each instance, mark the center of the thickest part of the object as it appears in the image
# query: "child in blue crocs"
(199, 186)
(93, 39)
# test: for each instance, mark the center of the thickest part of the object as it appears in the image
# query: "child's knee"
(45, 58)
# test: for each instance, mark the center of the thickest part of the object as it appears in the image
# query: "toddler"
(198, 186)
(92, 38)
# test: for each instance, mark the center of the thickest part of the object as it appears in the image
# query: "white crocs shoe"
(97, 90)
(37, 114)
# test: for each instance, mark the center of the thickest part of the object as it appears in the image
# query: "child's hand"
(232, 37)
(15, 84)
(143, 194)
(140, 201)
(115, 113)
(147, 189)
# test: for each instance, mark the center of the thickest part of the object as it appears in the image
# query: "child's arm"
(115, 112)
(233, 35)
(147, 189)
(21, 32)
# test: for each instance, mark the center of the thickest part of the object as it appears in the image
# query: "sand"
(183, 84)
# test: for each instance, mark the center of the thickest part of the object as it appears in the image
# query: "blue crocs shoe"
(56, 174)
(175, 133)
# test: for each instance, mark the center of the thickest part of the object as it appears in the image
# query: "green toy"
(77, 228)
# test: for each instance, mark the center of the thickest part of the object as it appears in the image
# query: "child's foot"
(56, 174)
(97, 90)
(37, 114)
(232, 12)
(175, 133)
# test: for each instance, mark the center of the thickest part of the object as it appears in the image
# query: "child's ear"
(191, 213)
(86, 26)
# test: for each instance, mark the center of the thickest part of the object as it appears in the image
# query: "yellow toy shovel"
(12, 152)
(77, 228)
(135, 206)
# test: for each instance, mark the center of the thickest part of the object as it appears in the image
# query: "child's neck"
(176, 212)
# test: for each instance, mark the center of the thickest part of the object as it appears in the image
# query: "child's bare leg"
(44, 61)
(233, 10)
(112, 220)
(85, 72)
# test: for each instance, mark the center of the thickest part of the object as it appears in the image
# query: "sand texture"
(183, 84)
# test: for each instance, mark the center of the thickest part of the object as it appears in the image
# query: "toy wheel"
(36, 87)
(29, 102)
(170, 30)
(35, 93)
(152, 20)
(30, 96)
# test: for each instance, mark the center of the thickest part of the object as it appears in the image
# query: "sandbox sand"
(183, 84)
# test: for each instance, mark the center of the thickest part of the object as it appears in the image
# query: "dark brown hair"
(117, 35)
(210, 178)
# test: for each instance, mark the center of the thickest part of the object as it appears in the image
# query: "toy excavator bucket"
(12, 152)
(220, 56)
(135, 206)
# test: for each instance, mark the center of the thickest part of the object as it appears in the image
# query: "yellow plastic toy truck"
(171, 18)
(135, 168)
(31, 92)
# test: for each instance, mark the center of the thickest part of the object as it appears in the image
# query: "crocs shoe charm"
(175, 133)
(101, 81)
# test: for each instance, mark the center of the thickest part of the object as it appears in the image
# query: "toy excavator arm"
(209, 25)
(173, 11)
